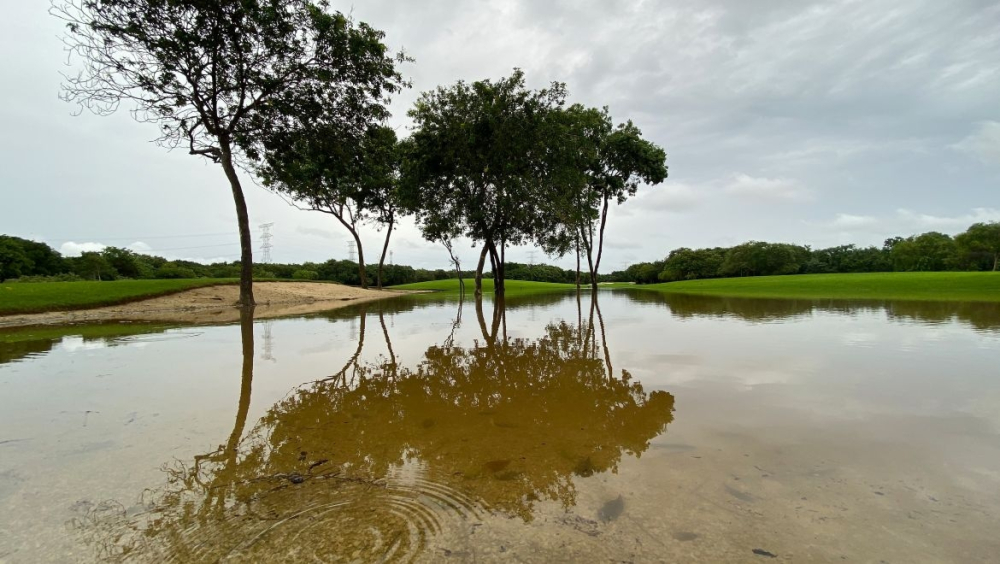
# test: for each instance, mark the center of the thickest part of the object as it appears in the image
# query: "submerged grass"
(59, 296)
(917, 286)
(514, 288)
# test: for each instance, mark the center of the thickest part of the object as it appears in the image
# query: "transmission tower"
(351, 250)
(531, 257)
(265, 242)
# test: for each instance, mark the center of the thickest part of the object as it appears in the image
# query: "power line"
(137, 238)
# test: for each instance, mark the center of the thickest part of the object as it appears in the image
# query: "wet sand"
(215, 304)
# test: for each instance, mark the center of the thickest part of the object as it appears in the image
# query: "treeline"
(31, 261)
(976, 249)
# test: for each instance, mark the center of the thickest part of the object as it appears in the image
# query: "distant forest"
(976, 249)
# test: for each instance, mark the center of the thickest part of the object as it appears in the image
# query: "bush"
(305, 275)
(55, 278)
(172, 271)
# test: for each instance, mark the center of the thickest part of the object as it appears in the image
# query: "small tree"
(217, 77)
(982, 238)
(477, 162)
(348, 175)
(618, 161)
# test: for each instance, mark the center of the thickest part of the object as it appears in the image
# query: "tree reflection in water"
(371, 462)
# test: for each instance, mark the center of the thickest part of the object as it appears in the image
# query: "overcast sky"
(818, 123)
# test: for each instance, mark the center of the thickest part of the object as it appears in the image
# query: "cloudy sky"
(819, 123)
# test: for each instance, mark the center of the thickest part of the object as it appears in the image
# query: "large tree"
(982, 238)
(477, 162)
(218, 76)
(338, 171)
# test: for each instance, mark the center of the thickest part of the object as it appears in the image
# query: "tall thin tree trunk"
(600, 243)
(494, 262)
(578, 264)
(385, 248)
(361, 259)
(243, 219)
(479, 270)
(588, 245)
(503, 268)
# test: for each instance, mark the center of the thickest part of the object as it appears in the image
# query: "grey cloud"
(804, 108)
(984, 143)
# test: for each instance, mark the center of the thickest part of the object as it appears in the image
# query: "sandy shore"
(214, 304)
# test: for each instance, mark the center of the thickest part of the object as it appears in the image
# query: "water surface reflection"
(428, 429)
(377, 458)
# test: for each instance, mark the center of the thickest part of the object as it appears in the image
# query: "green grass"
(59, 296)
(918, 286)
(514, 288)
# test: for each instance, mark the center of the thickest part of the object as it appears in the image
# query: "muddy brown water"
(640, 428)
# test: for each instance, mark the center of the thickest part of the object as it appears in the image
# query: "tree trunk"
(243, 219)
(578, 265)
(996, 258)
(385, 248)
(588, 245)
(600, 243)
(479, 270)
(494, 260)
(498, 270)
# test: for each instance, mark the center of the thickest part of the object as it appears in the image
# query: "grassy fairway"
(920, 286)
(514, 287)
(59, 296)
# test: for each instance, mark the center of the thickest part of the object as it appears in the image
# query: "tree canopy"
(349, 174)
(477, 163)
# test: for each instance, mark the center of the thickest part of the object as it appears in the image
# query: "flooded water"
(638, 428)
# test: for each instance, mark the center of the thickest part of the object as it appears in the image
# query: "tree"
(930, 251)
(93, 265)
(45, 261)
(618, 161)
(476, 165)
(350, 176)
(127, 263)
(982, 238)
(13, 260)
(217, 77)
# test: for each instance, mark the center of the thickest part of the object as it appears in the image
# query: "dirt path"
(215, 304)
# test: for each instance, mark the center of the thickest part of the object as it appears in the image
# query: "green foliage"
(13, 260)
(93, 266)
(981, 240)
(931, 251)
(687, 264)
(757, 258)
(173, 270)
(128, 264)
(305, 275)
(476, 163)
